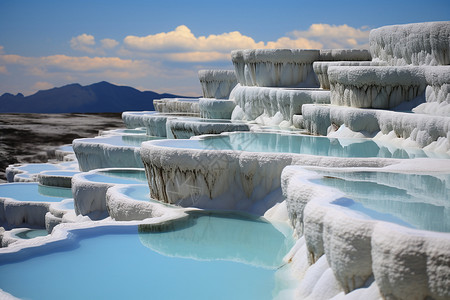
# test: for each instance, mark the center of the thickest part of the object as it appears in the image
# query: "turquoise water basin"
(206, 257)
(118, 176)
(416, 201)
(32, 233)
(290, 143)
(34, 192)
(120, 140)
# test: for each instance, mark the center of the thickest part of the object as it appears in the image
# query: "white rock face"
(225, 179)
(134, 119)
(321, 69)
(90, 196)
(96, 154)
(412, 44)
(257, 101)
(424, 130)
(437, 93)
(375, 86)
(217, 83)
(177, 105)
(216, 108)
(23, 213)
(185, 128)
(123, 208)
(275, 67)
(405, 263)
(344, 55)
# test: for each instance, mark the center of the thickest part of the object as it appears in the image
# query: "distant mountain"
(98, 97)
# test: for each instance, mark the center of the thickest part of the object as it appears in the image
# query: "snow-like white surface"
(226, 179)
(375, 86)
(211, 108)
(431, 132)
(321, 69)
(97, 153)
(185, 128)
(124, 208)
(134, 119)
(275, 67)
(176, 105)
(90, 196)
(344, 55)
(23, 213)
(406, 263)
(412, 44)
(437, 93)
(253, 102)
(217, 83)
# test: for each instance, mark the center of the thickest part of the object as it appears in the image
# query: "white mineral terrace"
(254, 102)
(177, 105)
(275, 67)
(375, 86)
(412, 44)
(217, 83)
(385, 121)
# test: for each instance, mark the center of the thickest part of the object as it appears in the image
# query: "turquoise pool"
(417, 201)
(119, 140)
(118, 176)
(290, 143)
(34, 192)
(203, 257)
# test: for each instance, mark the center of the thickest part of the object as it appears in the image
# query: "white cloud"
(3, 70)
(109, 43)
(182, 45)
(335, 36)
(83, 42)
(86, 43)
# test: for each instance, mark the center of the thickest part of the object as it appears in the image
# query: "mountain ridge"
(100, 97)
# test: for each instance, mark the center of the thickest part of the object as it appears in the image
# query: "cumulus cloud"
(109, 43)
(335, 36)
(88, 66)
(182, 44)
(3, 70)
(86, 43)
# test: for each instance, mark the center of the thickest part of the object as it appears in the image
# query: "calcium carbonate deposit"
(337, 192)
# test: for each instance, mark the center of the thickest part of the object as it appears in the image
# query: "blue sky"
(161, 45)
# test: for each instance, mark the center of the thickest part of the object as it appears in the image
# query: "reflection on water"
(291, 143)
(419, 201)
(230, 237)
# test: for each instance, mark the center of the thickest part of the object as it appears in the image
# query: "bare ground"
(33, 137)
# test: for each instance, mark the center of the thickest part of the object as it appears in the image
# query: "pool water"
(34, 192)
(293, 143)
(417, 201)
(38, 167)
(120, 140)
(118, 176)
(116, 263)
(32, 233)
(138, 192)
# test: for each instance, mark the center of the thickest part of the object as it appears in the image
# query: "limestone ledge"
(211, 108)
(217, 83)
(176, 105)
(275, 67)
(424, 130)
(375, 86)
(185, 128)
(256, 101)
(404, 263)
(412, 44)
(226, 179)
